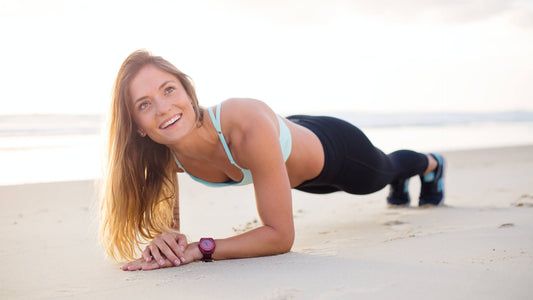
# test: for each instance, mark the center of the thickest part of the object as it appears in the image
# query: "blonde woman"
(157, 128)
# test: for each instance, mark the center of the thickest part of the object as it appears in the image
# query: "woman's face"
(161, 107)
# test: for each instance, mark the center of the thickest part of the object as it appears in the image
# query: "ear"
(141, 132)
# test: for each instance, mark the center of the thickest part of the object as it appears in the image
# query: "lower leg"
(407, 164)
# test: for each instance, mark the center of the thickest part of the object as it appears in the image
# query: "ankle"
(432, 164)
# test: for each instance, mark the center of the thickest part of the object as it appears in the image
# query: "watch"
(207, 247)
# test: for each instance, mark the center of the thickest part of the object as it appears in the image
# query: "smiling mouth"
(170, 121)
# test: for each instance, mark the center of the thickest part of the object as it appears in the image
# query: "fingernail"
(183, 259)
(162, 262)
(176, 262)
(182, 248)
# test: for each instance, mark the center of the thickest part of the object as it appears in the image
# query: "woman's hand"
(166, 246)
(142, 264)
(191, 254)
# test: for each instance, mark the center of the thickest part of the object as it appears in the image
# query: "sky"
(299, 56)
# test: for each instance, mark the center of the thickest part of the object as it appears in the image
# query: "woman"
(157, 128)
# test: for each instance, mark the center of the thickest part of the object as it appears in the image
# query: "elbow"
(286, 247)
(285, 242)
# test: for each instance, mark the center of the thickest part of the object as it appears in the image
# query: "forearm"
(176, 206)
(176, 217)
(261, 241)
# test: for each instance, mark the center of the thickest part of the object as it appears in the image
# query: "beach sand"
(480, 245)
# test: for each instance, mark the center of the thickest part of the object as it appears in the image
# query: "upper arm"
(258, 149)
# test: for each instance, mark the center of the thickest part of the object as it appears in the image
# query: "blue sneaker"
(399, 193)
(432, 186)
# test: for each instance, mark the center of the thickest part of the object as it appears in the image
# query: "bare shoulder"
(246, 114)
(250, 127)
(246, 105)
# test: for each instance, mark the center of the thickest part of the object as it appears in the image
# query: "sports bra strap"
(285, 142)
(218, 128)
(177, 161)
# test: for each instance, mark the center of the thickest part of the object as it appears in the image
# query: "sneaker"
(432, 186)
(399, 193)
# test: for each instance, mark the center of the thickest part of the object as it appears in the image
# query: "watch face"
(207, 244)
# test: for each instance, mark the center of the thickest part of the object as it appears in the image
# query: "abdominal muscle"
(307, 155)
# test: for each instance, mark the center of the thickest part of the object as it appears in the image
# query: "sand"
(480, 245)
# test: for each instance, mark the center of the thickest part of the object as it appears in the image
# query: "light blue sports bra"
(285, 141)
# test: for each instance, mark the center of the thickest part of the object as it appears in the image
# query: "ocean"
(49, 148)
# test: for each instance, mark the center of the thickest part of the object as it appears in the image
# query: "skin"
(251, 130)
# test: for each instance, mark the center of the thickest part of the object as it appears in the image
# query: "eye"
(169, 90)
(143, 105)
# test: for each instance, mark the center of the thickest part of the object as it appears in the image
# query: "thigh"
(366, 169)
(352, 163)
(317, 189)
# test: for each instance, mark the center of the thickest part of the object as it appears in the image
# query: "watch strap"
(207, 253)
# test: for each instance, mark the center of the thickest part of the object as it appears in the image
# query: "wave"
(373, 120)
(59, 125)
(50, 124)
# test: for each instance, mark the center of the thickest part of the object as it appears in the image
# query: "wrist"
(196, 254)
(207, 248)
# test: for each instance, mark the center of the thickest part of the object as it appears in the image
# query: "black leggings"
(352, 164)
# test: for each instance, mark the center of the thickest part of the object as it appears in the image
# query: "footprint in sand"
(506, 225)
(525, 200)
(394, 223)
(284, 293)
(246, 227)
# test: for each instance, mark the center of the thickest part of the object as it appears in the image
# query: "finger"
(133, 265)
(170, 248)
(147, 266)
(154, 249)
(162, 248)
(182, 242)
(154, 265)
(177, 249)
(127, 266)
(147, 254)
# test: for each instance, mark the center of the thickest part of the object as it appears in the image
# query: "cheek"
(141, 121)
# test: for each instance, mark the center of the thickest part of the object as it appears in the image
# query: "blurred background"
(426, 75)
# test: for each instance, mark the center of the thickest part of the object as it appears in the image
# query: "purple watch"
(207, 247)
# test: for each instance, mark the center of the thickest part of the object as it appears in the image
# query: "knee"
(368, 177)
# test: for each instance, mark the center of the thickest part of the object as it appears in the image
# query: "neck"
(200, 142)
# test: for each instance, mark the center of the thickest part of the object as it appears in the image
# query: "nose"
(162, 106)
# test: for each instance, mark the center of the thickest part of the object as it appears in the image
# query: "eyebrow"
(160, 87)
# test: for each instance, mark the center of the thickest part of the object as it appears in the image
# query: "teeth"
(170, 122)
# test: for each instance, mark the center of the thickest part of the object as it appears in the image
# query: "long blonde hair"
(140, 182)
